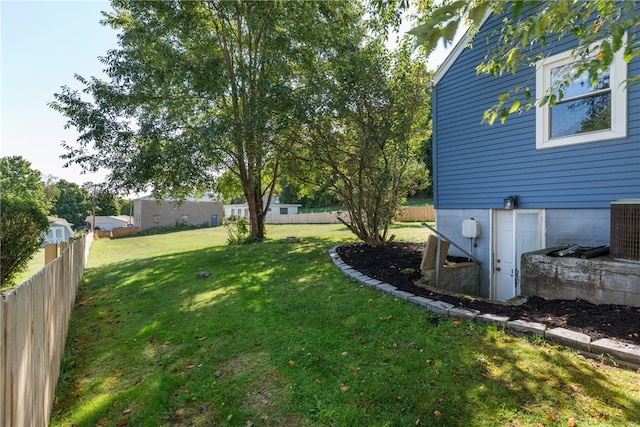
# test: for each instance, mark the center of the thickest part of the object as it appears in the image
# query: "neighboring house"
(108, 223)
(564, 176)
(149, 213)
(59, 230)
(275, 208)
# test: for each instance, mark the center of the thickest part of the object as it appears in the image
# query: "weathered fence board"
(34, 321)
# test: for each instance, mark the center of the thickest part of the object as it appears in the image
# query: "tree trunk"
(256, 212)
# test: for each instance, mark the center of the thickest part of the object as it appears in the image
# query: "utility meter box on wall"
(471, 228)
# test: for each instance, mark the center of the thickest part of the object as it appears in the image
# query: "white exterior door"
(515, 232)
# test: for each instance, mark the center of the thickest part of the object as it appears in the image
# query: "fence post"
(50, 252)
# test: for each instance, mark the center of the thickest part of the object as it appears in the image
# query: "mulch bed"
(399, 265)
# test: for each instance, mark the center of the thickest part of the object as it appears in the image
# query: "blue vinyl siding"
(477, 165)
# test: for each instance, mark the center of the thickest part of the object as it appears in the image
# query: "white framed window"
(583, 113)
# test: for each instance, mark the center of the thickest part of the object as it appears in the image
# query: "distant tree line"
(25, 202)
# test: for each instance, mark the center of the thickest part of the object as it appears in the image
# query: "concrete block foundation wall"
(601, 280)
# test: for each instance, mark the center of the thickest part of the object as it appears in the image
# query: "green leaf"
(450, 31)
(476, 14)
(628, 53)
(514, 106)
(504, 96)
(527, 94)
(504, 115)
(541, 25)
(493, 117)
(607, 52)
(517, 7)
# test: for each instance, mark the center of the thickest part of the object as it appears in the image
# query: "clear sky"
(44, 44)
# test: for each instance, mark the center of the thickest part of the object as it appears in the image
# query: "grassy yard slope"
(277, 336)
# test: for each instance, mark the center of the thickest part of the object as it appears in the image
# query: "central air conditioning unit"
(625, 229)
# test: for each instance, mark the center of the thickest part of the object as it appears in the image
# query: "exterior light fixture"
(511, 202)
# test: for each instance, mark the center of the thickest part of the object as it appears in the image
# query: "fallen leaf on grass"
(571, 422)
(552, 417)
(101, 422)
(344, 387)
(179, 412)
(126, 411)
(457, 322)
(123, 422)
(190, 366)
(344, 353)
(201, 338)
(291, 362)
(437, 414)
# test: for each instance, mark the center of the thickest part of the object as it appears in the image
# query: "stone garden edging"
(623, 353)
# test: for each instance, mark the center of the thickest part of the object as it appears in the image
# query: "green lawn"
(35, 264)
(278, 336)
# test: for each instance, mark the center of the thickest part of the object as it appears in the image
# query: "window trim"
(618, 75)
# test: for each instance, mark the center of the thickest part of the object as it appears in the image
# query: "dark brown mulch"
(399, 265)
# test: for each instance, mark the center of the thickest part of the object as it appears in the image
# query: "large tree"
(363, 126)
(197, 89)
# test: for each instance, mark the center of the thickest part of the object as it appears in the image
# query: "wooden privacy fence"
(34, 320)
(407, 214)
(416, 214)
(124, 231)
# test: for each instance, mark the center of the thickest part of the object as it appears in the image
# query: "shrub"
(241, 232)
(23, 225)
